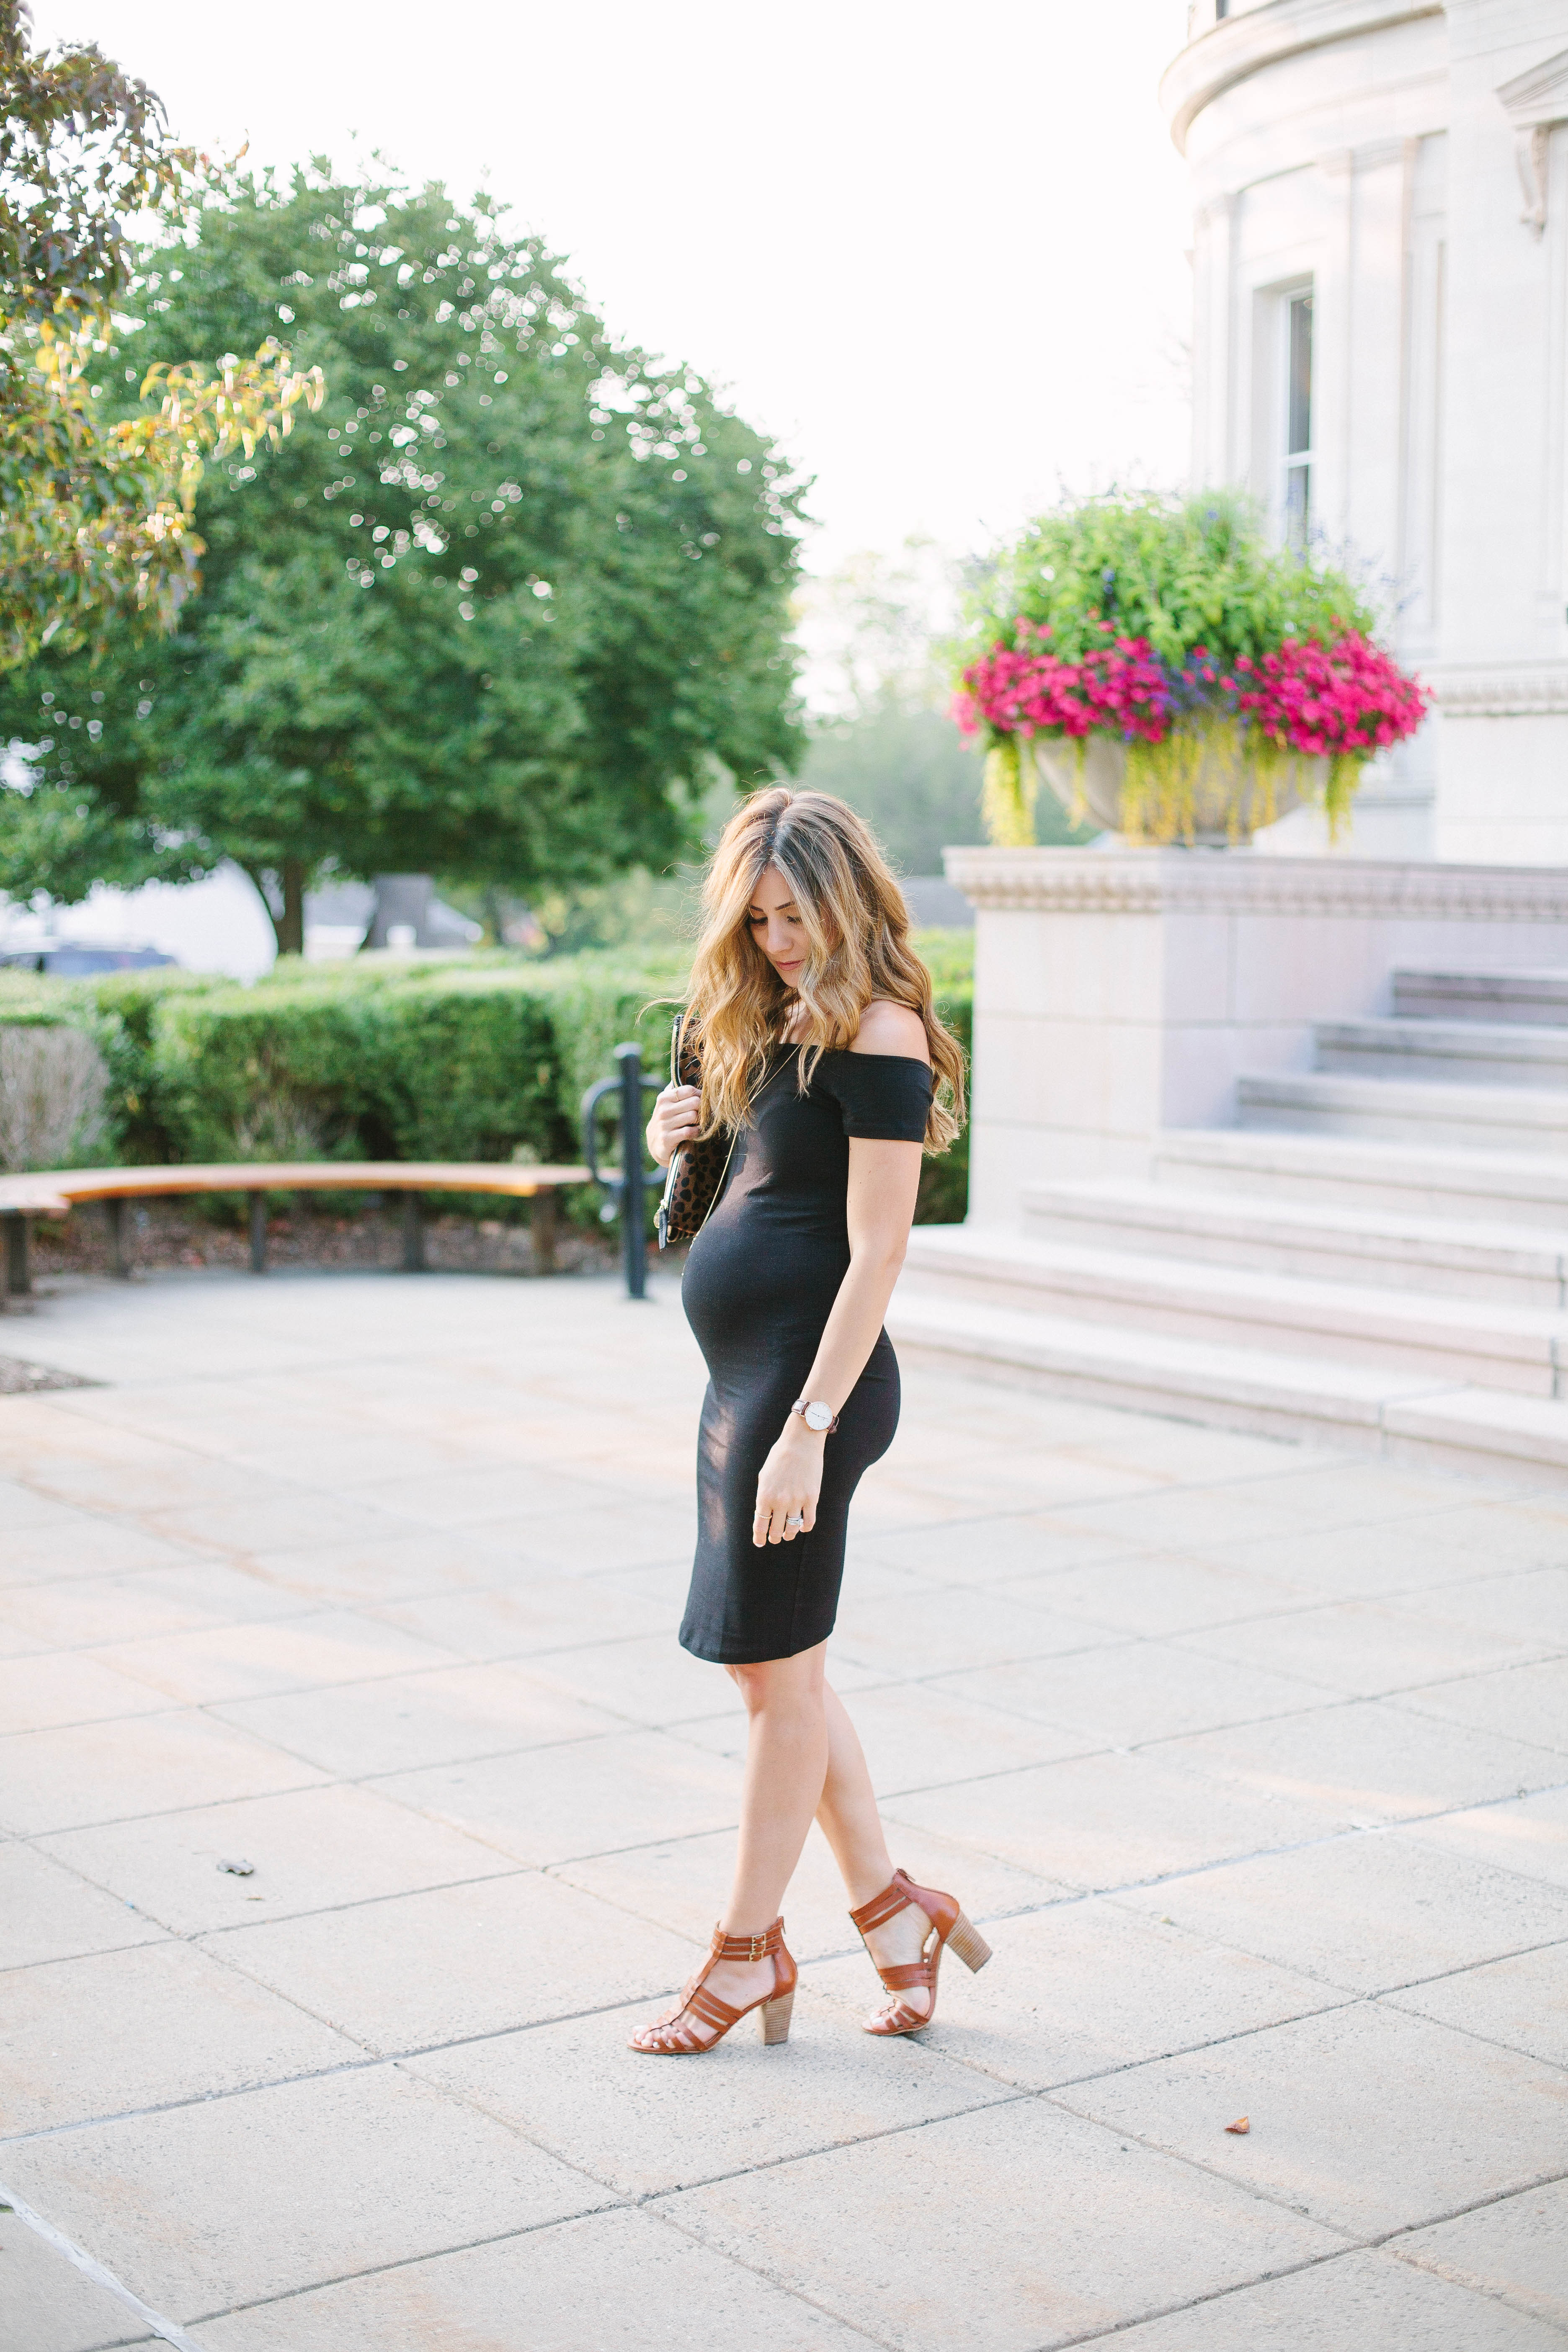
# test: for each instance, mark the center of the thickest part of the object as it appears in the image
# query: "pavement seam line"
(91, 2268)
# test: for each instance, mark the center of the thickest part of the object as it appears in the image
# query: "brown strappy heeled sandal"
(678, 2035)
(948, 1926)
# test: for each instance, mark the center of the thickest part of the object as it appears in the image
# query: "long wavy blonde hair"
(857, 935)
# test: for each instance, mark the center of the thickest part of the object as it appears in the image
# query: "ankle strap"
(893, 1898)
(749, 1948)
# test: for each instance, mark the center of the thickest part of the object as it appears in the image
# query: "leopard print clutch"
(697, 1169)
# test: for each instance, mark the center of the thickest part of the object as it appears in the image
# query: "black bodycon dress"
(760, 1283)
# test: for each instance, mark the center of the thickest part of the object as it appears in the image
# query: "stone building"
(1381, 354)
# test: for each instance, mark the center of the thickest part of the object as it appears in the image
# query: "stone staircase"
(1376, 1256)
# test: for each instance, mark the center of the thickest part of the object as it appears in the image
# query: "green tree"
(498, 620)
(95, 508)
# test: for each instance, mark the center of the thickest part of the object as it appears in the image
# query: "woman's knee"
(781, 1684)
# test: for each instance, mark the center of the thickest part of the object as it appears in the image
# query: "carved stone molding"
(1239, 882)
(1533, 102)
(1498, 690)
(1227, 52)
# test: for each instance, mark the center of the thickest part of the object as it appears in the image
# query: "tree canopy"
(95, 508)
(496, 616)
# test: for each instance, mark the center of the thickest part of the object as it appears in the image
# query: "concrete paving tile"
(1190, 1517)
(1073, 2231)
(1368, 1562)
(962, 1627)
(274, 1520)
(185, 2027)
(1526, 1702)
(1522, 2003)
(325, 1646)
(85, 1611)
(80, 1543)
(1155, 1593)
(652, 2290)
(1363, 1649)
(49, 2306)
(47, 1913)
(309, 1851)
(1105, 1820)
(1124, 1693)
(124, 1472)
(1364, 2118)
(1358, 2299)
(338, 2174)
(1530, 1603)
(22, 1505)
(1083, 1988)
(919, 1735)
(531, 1611)
(38, 1693)
(474, 1494)
(485, 1958)
(1513, 2248)
(586, 1796)
(1369, 1911)
(147, 1764)
(1480, 1532)
(648, 1678)
(989, 1549)
(1368, 1760)
(642, 2126)
(1530, 1835)
(607, 1535)
(406, 1722)
(370, 1571)
(682, 1886)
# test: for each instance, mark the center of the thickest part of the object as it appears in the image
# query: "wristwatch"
(820, 1417)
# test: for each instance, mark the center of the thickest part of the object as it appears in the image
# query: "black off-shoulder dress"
(760, 1283)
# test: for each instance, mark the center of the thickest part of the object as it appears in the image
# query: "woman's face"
(775, 923)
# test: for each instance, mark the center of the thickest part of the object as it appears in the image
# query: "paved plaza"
(1251, 1762)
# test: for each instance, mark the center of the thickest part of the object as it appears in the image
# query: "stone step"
(1406, 1110)
(1519, 1348)
(1506, 1265)
(1524, 1188)
(1508, 996)
(1401, 1417)
(1461, 1052)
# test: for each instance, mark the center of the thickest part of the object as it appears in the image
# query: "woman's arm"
(884, 1177)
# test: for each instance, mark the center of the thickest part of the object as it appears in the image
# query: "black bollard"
(628, 1189)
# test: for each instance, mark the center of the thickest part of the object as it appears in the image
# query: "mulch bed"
(20, 1378)
(163, 1235)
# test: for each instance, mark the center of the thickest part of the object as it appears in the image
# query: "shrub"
(52, 1084)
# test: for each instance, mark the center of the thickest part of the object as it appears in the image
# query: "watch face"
(817, 1416)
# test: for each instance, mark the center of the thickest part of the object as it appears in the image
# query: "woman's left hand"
(788, 1486)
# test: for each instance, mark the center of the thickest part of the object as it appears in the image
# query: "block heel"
(777, 2015)
(966, 1943)
(700, 2018)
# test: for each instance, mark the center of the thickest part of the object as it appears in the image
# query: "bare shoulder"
(887, 1028)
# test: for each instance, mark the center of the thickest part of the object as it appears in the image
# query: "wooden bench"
(23, 1198)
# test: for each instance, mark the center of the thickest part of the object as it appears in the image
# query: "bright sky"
(940, 257)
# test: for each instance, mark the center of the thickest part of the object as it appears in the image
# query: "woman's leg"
(786, 1764)
(853, 1828)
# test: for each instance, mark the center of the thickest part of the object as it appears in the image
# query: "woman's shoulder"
(892, 1029)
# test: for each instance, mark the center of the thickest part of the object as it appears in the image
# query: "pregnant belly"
(755, 1285)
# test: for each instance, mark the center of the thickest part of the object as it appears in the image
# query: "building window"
(1298, 483)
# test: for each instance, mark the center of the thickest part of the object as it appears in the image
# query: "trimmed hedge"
(479, 1057)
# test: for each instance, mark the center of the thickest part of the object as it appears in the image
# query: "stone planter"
(1230, 798)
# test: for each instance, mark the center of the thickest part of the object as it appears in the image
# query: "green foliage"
(479, 1057)
(497, 616)
(95, 510)
(1182, 572)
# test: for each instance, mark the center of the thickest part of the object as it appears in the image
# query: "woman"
(820, 1053)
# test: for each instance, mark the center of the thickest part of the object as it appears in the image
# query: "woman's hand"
(674, 1121)
(788, 1485)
